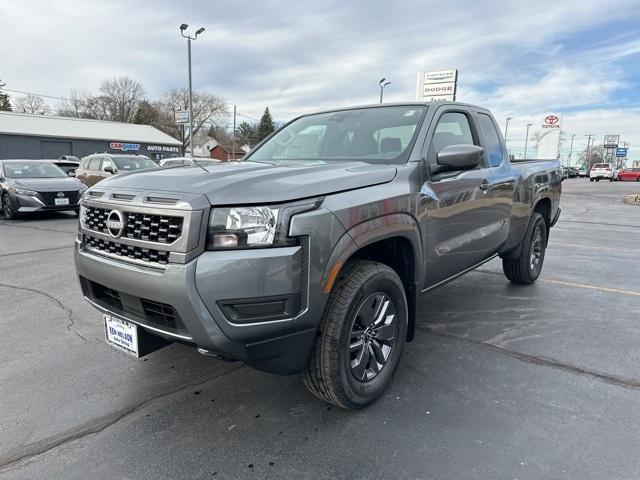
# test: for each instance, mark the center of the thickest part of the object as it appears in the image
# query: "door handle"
(486, 186)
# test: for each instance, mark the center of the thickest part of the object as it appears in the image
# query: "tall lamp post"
(571, 150)
(506, 128)
(183, 28)
(526, 140)
(382, 85)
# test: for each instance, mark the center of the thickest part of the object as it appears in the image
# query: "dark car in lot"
(28, 186)
(99, 166)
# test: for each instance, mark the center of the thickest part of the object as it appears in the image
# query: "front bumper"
(29, 204)
(195, 302)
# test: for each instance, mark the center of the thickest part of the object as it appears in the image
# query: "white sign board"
(611, 141)
(182, 116)
(437, 86)
(549, 137)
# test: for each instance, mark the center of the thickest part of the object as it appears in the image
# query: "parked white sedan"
(602, 171)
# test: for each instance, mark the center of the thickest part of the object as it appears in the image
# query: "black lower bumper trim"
(286, 355)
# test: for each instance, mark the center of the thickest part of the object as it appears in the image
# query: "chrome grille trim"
(191, 209)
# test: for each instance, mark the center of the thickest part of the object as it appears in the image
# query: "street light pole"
(526, 140)
(506, 128)
(183, 27)
(382, 85)
(571, 149)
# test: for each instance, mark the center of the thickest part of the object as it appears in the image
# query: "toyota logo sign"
(551, 119)
(115, 223)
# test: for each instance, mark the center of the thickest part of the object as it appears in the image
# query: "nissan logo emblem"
(115, 223)
(60, 195)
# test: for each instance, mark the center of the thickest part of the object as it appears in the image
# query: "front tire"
(360, 337)
(527, 266)
(8, 208)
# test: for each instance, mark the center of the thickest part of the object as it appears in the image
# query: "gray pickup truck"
(310, 254)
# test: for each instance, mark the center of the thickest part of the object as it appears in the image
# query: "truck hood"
(247, 182)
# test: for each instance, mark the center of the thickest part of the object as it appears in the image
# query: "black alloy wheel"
(373, 336)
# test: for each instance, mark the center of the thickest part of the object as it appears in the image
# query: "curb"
(632, 199)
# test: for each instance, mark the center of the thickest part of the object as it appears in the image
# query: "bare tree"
(83, 104)
(597, 154)
(31, 104)
(121, 97)
(207, 111)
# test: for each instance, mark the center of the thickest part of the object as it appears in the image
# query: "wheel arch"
(393, 240)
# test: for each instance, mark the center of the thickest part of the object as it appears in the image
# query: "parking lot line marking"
(594, 247)
(576, 285)
(591, 287)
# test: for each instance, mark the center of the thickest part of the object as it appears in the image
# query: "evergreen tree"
(246, 133)
(5, 103)
(266, 126)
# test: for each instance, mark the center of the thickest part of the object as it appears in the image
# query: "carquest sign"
(125, 147)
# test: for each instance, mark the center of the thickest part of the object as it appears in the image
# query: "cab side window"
(492, 145)
(94, 164)
(453, 129)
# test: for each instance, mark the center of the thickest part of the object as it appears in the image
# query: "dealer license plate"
(122, 335)
(62, 201)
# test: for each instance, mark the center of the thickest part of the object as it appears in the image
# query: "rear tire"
(527, 266)
(360, 337)
(8, 208)
(591, 179)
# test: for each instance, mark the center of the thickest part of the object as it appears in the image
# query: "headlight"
(81, 191)
(253, 227)
(22, 191)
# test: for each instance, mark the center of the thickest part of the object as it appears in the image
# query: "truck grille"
(149, 312)
(149, 255)
(138, 226)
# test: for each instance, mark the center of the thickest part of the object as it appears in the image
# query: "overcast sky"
(519, 58)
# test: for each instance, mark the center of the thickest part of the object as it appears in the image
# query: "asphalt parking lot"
(502, 381)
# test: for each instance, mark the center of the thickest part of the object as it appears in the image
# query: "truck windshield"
(32, 170)
(373, 135)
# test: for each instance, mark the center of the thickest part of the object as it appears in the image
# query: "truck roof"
(393, 104)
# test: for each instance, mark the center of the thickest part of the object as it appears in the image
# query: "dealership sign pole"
(437, 86)
(611, 144)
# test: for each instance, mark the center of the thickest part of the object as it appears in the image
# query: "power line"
(33, 93)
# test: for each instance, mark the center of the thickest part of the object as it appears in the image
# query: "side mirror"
(459, 157)
(109, 169)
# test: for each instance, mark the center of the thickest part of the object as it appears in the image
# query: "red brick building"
(226, 153)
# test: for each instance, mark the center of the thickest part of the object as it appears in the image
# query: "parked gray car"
(310, 255)
(28, 186)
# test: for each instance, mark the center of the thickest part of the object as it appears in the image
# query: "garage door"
(51, 149)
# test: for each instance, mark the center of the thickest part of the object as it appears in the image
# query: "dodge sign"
(437, 86)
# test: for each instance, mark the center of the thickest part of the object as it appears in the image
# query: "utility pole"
(589, 137)
(526, 140)
(506, 128)
(234, 133)
(570, 150)
(183, 27)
